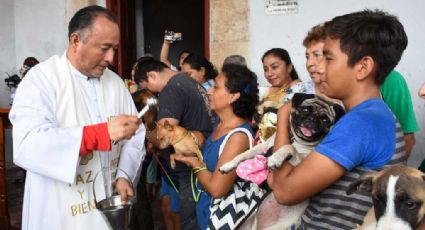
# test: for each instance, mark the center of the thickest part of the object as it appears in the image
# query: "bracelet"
(198, 169)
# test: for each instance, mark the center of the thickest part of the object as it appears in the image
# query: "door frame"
(126, 53)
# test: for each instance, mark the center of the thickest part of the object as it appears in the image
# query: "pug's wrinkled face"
(312, 118)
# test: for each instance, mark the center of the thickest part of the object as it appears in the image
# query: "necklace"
(278, 94)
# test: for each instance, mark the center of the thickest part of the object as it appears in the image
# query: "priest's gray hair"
(82, 21)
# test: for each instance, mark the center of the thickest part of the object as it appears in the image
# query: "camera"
(172, 36)
(12, 81)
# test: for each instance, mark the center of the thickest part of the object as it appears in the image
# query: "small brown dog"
(184, 141)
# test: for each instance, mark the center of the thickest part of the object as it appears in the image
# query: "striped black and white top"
(334, 209)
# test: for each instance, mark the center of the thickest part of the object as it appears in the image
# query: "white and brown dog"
(398, 194)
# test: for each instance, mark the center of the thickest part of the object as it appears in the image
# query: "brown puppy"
(184, 141)
(398, 194)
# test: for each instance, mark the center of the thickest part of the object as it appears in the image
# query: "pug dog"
(183, 141)
(311, 119)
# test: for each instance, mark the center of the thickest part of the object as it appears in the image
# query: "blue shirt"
(365, 136)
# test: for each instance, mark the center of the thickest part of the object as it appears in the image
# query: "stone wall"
(229, 30)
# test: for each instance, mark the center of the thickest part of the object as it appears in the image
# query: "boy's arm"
(292, 185)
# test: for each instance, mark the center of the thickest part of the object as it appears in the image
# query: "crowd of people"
(73, 117)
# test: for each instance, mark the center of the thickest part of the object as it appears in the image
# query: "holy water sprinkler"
(150, 102)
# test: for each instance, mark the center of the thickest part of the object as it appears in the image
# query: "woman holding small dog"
(233, 98)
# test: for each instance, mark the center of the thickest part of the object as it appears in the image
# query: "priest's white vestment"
(52, 104)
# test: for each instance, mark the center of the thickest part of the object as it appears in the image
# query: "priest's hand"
(123, 127)
(124, 189)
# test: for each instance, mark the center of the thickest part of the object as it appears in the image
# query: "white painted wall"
(7, 50)
(31, 28)
(40, 29)
(288, 31)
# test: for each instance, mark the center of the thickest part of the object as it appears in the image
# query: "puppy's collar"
(187, 132)
(181, 138)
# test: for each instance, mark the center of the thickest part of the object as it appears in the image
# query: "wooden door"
(126, 54)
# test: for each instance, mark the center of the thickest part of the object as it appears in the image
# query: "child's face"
(337, 77)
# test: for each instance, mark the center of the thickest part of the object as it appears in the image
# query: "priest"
(67, 112)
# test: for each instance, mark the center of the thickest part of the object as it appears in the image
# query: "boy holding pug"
(360, 50)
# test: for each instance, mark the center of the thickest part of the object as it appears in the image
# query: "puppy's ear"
(364, 184)
(299, 98)
(168, 126)
(339, 111)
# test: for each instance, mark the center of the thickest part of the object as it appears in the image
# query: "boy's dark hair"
(84, 18)
(370, 33)
(239, 79)
(197, 62)
(283, 55)
(145, 65)
(315, 34)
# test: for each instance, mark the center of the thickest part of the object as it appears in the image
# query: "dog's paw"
(274, 162)
(227, 167)
(277, 158)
